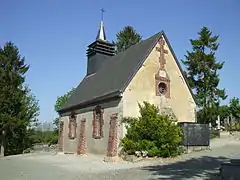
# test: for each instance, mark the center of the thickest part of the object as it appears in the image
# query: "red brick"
(82, 138)
(60, 138)
(113, 136)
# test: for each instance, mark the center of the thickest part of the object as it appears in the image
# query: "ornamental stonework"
(162, 80)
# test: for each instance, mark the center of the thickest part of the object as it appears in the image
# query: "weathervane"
(102, 11)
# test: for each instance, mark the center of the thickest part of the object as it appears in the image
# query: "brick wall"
(113, 136)
(60, 138)
(82, 138)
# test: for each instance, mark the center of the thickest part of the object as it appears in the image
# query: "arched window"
(98, 122)
(162, 88)
(72, 126)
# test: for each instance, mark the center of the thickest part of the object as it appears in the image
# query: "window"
(162, 88)
(98, 122)
(72, 126)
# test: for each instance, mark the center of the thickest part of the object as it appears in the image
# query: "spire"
(101, 32)
(99, 50)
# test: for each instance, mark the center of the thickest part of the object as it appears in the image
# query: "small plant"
(157, 134)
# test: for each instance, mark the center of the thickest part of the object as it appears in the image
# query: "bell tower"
(99, 50)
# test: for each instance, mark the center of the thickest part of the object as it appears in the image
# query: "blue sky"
(53, 36)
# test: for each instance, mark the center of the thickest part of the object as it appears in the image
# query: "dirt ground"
(47, 166)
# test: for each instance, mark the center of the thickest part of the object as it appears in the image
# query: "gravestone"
(2, 138)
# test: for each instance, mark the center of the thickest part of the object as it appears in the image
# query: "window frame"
(98, 122)
(72, 126)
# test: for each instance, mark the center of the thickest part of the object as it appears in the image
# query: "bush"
(152, 132)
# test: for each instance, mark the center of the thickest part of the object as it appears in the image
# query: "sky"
(53, 36)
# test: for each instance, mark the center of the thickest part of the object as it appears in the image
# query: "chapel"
(114, 84)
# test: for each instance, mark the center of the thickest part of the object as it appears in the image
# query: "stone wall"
(143, 86)
(84, 141)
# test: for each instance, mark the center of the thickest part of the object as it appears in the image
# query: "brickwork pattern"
(94, 124)
(113, 136)
(101, 124)
(82, 146)
(60, 138)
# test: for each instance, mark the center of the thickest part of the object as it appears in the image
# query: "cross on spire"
(102, 11)
(101, 33)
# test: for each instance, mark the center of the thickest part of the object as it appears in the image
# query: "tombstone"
(218, 123)
(2, 143)
(210, 126)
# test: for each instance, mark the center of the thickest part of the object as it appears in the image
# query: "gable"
(143, 86)
(178, 67)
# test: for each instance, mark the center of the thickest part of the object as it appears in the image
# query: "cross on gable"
(161, 49)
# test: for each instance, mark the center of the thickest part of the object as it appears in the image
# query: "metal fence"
(195, 134)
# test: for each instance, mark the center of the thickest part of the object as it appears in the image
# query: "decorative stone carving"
(161, 77)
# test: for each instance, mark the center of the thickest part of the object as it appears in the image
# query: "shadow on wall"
(196, 168)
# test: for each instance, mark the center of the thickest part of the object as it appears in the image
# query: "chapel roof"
(114, 76)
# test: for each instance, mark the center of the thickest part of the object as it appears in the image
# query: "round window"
(162, 87)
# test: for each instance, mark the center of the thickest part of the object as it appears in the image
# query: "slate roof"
(114, 76)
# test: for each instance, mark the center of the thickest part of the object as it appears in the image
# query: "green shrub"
(154, 151)
(130, 146)
(152, 132)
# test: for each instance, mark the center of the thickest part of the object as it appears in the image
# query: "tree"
(224, 113)
(58, 105)
(18, 107)
(234, 107)
(126, 38)
(152, 132)
(202, 73)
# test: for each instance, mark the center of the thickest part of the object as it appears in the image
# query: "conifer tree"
(127, 37)
(18, 107)
(202, 73)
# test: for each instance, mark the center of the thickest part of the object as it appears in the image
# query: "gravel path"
(198, 165)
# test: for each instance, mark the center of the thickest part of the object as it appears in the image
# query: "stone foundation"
(190, 149)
